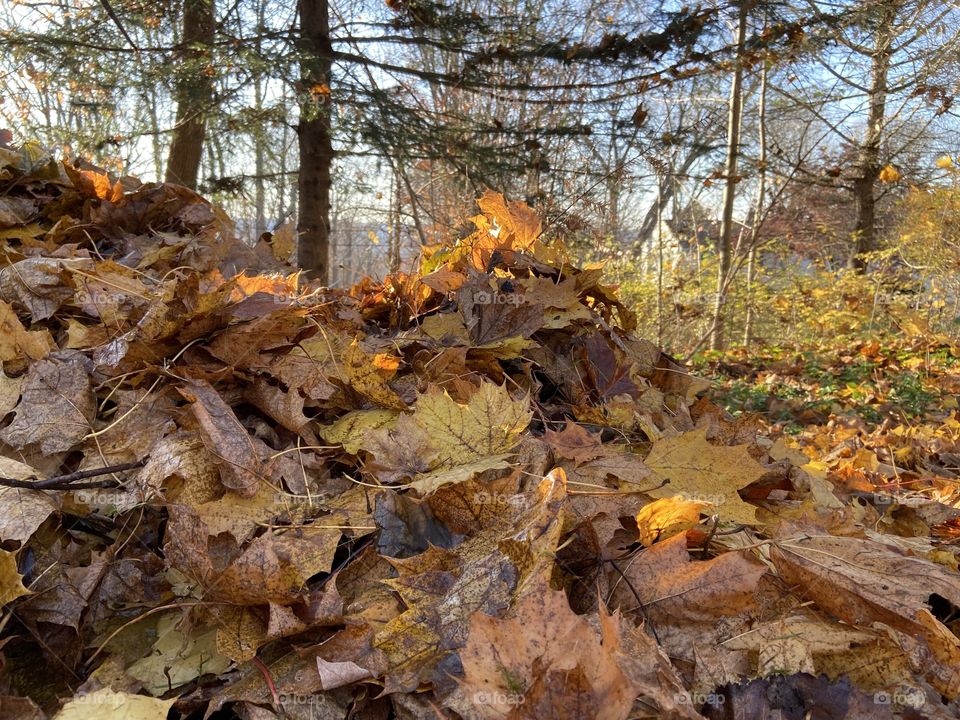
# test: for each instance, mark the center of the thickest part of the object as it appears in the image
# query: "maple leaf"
(544, 661)
(18, 342)
(699, 471)
(575, 443)
(349, 429)
(516, 218)
(791, 644)
(489, 423)
(666, 517)
(56, 406)
(24, 510)
(368, 375)
(177, 658)
(862, 582)
(443, 589)
(106, 704)
(94, 185)
(675, 589)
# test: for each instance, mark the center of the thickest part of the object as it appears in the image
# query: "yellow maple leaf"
(517, 218)
(667, 517)
(368, 375)
(106, 704)
(489, 424)
(702, 472)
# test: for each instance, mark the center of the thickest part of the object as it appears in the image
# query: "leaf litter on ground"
(467, 491)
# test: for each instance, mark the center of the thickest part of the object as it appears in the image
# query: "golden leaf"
(517, 218)
(703, 472)
(666, 517)
(368, 375)
(106, 704)
(11, 582)
(489, 424)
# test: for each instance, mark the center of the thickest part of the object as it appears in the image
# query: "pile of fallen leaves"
(467, 492)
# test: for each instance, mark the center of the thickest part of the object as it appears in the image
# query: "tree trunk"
(868, 156)
(730, 190)
(759, 200)
(193, 92)
(316, 144)
(260, 144)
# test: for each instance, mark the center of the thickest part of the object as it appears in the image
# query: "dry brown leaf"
(864, 582)
(11, 581)
(56, 406)
(24, 510)
(675, 589)
(225, 438)
(16, 342)
(543, 661)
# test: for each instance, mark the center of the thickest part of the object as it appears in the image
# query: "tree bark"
(730, 189)
(316, 143)
(759, 200)
(193, 92)
(868, 155)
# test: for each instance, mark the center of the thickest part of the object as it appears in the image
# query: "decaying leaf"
(543, 661)
(56, 406)
(226, 439)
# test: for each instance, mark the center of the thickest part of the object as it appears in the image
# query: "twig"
(705, 552)
(640, 604)
(69, 481)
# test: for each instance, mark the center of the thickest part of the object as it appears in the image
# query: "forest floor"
(470, 491)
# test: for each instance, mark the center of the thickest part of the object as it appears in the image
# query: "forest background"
(752, 174)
